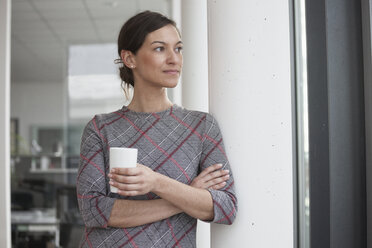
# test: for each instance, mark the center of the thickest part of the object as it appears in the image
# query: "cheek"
(151, 61)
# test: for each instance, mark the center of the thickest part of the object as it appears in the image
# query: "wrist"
(157, 182)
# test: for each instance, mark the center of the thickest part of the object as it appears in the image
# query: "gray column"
(250, 90)
(5, 237)
(367, 43)
(346, 117)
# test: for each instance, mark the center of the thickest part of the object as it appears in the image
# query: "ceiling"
(42, 31)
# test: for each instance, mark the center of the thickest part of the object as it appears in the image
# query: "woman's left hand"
(133, 181)
(211, 178)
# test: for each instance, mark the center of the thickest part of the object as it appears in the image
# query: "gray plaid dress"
(178, 143)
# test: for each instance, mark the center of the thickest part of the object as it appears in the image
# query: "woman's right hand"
(211, 178)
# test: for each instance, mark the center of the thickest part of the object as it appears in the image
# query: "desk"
(36, 221)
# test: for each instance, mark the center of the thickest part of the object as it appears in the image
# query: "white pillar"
(175, 94)
(195, 55)
(5, 236)
(195, 74)
(250, 94)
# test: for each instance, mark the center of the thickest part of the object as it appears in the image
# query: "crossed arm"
(176, 197)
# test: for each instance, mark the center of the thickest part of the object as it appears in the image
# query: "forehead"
(167, 34)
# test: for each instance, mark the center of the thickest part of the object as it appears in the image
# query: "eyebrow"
(162, 42)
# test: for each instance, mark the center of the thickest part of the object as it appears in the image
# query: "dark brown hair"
(132, 35)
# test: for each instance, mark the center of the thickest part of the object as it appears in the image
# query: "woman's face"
(158, 62)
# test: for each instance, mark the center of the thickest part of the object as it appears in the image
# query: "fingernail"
(111, 183)
(110, 175)
(219, 165)
(113, 170)
(227, 171)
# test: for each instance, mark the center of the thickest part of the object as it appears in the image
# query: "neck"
(149, 100)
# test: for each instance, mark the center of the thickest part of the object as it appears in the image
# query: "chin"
(172, 85)
(169, 84)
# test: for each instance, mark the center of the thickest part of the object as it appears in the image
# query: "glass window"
(63, 73)
(302, 126)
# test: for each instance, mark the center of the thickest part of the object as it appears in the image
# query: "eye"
(179, 49)
(159, 49)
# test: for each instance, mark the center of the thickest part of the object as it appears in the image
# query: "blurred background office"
(63, 73)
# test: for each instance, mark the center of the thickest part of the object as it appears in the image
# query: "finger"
(124, 179)
(210, 169)
(125, 187)
(216, 174)
(126, 171)
(217, 180)
(219, 186)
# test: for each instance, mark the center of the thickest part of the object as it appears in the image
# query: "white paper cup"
(122, 157)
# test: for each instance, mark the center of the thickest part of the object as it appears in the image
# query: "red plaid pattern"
(177, 143)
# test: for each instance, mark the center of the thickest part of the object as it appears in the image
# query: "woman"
(182, 173)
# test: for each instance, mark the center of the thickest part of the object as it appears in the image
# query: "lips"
(172, 72)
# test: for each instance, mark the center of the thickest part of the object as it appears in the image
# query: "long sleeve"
(92, 187)
(224, 200)
(177, 143)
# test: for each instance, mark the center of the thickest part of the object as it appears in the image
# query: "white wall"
(4, 123)
(37, 104)
(250, 96)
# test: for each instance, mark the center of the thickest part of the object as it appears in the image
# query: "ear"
(128, 58)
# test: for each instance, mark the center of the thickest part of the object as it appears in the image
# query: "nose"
(174, 57)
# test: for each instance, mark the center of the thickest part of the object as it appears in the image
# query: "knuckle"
(122, 178)
(214, 175)
(116, 178)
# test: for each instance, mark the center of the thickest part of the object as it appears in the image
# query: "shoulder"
(99, 120)
(104, 117)
(195, 114)
(207, 120)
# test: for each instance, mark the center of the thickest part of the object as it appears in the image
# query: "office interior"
(310, 87)
(62, 55)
